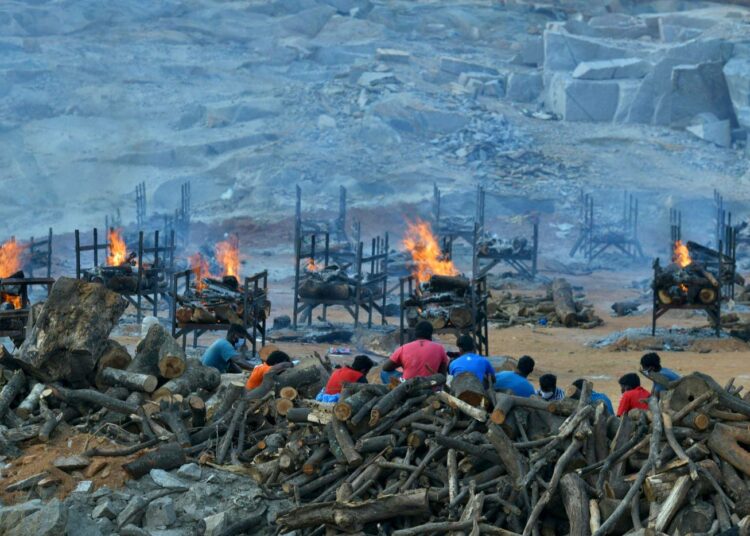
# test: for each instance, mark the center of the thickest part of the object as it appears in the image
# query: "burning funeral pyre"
(686, 282)
(211, 298)
(494, 246)
(11, 264)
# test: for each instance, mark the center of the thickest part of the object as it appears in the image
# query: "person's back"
(548, 389)
(275, 358)
(651, 364)
(356, 373)
(633, 395)
(218, 355)
(469, 361)
(508, 380)
(596, 397)
(420, 358)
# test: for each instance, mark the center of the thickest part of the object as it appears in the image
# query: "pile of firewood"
(334, 283)
(558, 307)
(220, 300)
(417, 460)
(689, 285)
(493, 246)
(444, 301)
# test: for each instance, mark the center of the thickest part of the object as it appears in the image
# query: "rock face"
(49, 521)
(609, 69)
(71, 332)
(737, 74)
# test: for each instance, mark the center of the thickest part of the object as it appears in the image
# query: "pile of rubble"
(557, 307)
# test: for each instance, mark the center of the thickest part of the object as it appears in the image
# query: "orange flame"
(681, 255)
(311, 266)
(118, 251)
(200, 268)
(228, 255)
(11, 258)
(425, 252)
(13, 299)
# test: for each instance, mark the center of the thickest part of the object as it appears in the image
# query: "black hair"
(466, 343)
(239, 330)
(548, 382)
(362, 363)
(651, 360)
(630, 380)
(578, 383)
(525, 365)
(276, 357)
(423, 330)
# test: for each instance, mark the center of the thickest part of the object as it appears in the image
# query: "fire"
(13, 299)
(11, 258)
(681, 255)
(200, 268)
(118, 251)
(425, 252)
(228, 255)
(311, 266)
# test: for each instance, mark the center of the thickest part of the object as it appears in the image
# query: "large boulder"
(410, 115)
(610, 69)
(737, 75)
(71, 332)
(564, 51)
(524, 86)
(49, 521)
(698, 89)
(583, 100)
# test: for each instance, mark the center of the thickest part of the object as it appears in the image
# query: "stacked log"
(677, 285)
(559, 306)
(444, 301)
(221, 301)
(333, 283)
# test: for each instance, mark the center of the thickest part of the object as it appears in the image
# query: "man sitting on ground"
(419, 358)
(515, 382)
(276, 360)
(595, 397)
(224, 354)
(651, 363)
(548, 389)
(633, 395)
(468, 361)
(357, 373)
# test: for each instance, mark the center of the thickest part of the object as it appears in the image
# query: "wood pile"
(689, 285)
(333, 283)
(493, 246)
(220, 301)
(444, 301)
(558, 307)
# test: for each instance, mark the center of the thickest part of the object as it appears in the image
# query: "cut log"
(171, 360)
(71, 332)
(289, 393)
(146, 360)
(95, 398)
(115, 356)
(170, 413)
(306, 380)
(303, 415)
(166, 456)
(10, 391)
(398, 394)
(196, 377)
(130, 380)
(725, 441)
(197, 411)
(31, 403)
(576, 502)
(344, 409)
(352, 516)
(460, 316)
(469, 388)
(449, 283)
(202, 316)
(475, 413)
(344, 439)
(565, 306)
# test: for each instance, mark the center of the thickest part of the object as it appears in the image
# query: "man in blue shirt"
(224, 354)
(468, 361)
(651, 363)
(595, 397)
(515, 382)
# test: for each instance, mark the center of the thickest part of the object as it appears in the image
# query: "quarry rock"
(564, 51)
(160, 513)
(308, 22)
(392, 55)
(105, 509)
(376, 79)
(524, 86)
(165, 479)
(11, 515)
(716, 132)
(620, 26)
(737, 75)
(456, 66)
(698, 89)
(50, 520)
(409, 115)
(531, 52)
(215, 524)
(190, 471)
(609, 69)
(582, 100)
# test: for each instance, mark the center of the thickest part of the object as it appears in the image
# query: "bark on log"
(725, 441)
(10, 391)
(351, 516)
(673, 503)
(166, 456)
(475, 413)
(305, 415)
(197, 411)
(170, 413)
(565, 307)
(171, 359)
(398, 394)
(31, 403)
(514, 463)
(375, 444)
(196, 377)
(449, 283)
(353, 458)
(344, 409)
(306, 380)
(460, 316)
(130, 380)
(71, 332)
(469, 388)
(576, 502)
(115, 355)
(96, 398)
(313, 462)
(146, 360)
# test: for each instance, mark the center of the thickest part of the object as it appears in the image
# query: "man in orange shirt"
(633, 395)
(275, 358)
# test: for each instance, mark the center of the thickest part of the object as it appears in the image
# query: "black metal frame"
(254, 295)
(140, 204)
(160, 270)
(306, 249)
(179, 223)
(593, 243)
(447, 232)
(337, 228)
(38, 247)
(476, 298)
(22, 314)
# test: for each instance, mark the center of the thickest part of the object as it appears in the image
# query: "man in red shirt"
(419, 358)
(357, 373)
(633, 395)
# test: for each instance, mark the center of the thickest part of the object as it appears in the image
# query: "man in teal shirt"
(224, 354)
